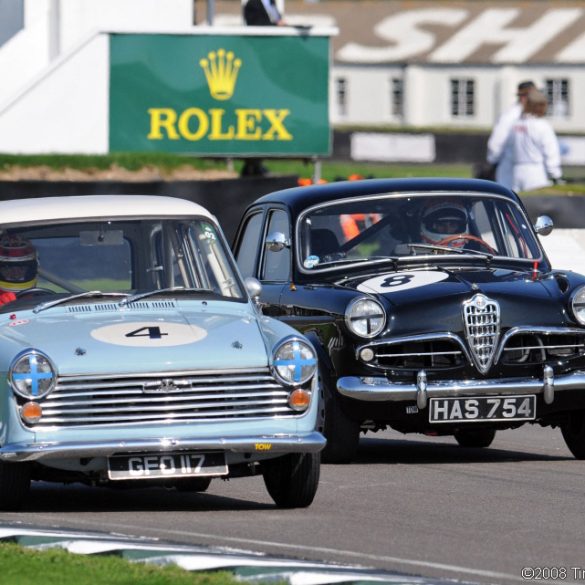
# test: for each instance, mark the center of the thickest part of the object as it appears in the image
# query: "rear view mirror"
(101, 238)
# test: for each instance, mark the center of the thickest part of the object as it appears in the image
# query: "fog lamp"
(367, 354)
(31, 412)
(299, 400)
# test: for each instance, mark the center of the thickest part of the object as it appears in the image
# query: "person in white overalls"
(533, 148)
(501, 131)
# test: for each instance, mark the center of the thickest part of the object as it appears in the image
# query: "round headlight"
(365, 317)
(578, 305)
(32, 375)
(294, 362)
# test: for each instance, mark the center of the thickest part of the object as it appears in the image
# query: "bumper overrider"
(310, 442)
(380, 389)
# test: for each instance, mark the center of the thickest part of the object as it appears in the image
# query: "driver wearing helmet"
(442, 222)
(18, 267)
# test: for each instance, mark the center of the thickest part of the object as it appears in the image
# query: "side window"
(277, 264)
(249, 245)
(481, 218)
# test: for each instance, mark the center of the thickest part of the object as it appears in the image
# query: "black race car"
(432, 305)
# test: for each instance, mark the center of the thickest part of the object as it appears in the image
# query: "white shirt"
(533, 149)
(500, 133)
(272, 11)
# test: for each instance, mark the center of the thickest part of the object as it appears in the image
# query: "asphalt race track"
(417, 505)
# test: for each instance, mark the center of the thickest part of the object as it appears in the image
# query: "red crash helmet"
(18, 263)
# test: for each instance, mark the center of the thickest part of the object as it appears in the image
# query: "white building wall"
(66, 109)
(65, 23)
(414, 96)
(81, 17)
(369, 85)
(27, 52)
(427, 94)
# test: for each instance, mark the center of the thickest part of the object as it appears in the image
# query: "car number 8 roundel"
(400, 281)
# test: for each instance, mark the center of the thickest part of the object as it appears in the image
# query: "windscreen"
(129, 256)
(396, 226)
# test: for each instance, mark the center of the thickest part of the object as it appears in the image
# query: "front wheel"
(14, 485)
(342, 433)
(475, 438)
(573, 430)
(292, 480)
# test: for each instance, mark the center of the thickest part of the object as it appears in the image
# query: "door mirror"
(544, 225)
(276, 242)
(253, 287)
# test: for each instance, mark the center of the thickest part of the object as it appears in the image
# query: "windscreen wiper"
(438, 248)
(371, 259)
(163, 291)
(86, 294)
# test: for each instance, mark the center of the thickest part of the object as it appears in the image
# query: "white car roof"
(16, 212)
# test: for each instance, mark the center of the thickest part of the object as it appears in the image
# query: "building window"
(341, 96)
(397, 96)
(557, 94)
(462, 98)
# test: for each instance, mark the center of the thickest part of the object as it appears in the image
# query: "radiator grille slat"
(183, 417)
(530, 347)
(481, 317)
(429, 354)
(185, 396)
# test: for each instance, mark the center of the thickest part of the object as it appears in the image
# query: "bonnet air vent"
(114, 308)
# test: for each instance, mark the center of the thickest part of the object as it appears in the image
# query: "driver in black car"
(18, 267)
(441, 223)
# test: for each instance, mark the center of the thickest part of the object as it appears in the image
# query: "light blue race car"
(132, 354)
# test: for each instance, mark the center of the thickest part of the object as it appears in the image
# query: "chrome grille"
(430, 352)
(481, 317)
(525, 346)
(161, 398)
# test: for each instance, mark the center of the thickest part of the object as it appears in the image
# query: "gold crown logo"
(221, 71)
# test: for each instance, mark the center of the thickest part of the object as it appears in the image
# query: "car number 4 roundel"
(399, 281)
(149, 334)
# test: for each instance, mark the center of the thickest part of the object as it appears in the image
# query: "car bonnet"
(427, 294)
(196, 336)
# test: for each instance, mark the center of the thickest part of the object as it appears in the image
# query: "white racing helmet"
(441, 220)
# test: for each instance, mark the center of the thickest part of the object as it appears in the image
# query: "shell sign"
(219, 95)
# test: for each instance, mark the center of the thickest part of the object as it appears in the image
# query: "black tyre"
(14, 485)
(475, 438)
(342, 433)
(193, 484)
(292, 480)
(573, 430)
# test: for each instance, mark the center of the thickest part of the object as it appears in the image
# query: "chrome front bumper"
(379, 389)
(303, 443)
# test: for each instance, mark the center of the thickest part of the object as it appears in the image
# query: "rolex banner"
(219, 94)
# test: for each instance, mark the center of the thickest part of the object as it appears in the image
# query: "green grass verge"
(23, 566)
(130, 161)
(331, 170)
